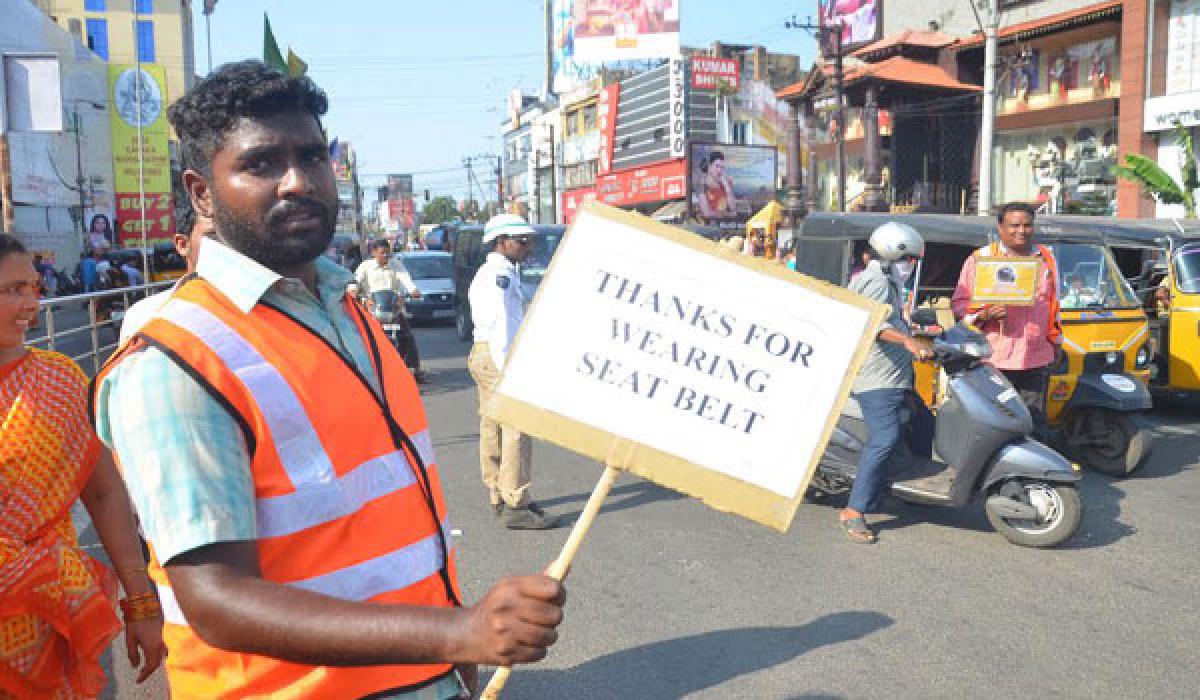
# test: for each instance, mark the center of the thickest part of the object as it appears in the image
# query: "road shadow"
(433, 348)
(444, 381)
(675, 668)
(635, 494)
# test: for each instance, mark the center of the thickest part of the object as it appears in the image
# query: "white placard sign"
(657, 351)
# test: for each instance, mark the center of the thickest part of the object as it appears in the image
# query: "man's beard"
(265, 243)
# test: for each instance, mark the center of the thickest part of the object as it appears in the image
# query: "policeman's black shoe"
(529, 517)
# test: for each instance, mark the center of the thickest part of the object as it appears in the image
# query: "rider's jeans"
(881, 410)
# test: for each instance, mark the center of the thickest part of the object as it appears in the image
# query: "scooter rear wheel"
(1059, 509)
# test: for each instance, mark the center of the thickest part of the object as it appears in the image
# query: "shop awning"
(671, 211)
(767, 218)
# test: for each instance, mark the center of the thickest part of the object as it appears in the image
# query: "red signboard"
(708, 73)
(400, 211)
(651, 183)
(573, 200)
(160, 218)
(606, 119)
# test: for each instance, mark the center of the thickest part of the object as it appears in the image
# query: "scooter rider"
(885, 382)
(383, 272)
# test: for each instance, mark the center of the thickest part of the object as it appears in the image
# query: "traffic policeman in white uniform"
(497, 309)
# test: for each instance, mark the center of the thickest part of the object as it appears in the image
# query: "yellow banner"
(141, 102)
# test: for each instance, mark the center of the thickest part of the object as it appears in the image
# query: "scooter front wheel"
(1058, 506)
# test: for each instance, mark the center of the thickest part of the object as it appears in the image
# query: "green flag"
(296, 66)
(271, 55)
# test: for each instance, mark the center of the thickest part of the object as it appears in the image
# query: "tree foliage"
(439, 209)
(1158, 183)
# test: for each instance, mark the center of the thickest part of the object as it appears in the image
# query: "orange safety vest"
(348, 501)
(1054, 333)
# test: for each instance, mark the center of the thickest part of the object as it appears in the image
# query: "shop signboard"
(860, 21)
(573, 201)
(606, 120)
(1183, 47)
(711, 73)
(729, 182)
(653, 183)
(1162, 113)
(138, 98)
(602, 31)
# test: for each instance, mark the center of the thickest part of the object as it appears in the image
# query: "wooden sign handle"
(559, 567)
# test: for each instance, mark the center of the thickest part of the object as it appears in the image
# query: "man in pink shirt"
(1025, 340)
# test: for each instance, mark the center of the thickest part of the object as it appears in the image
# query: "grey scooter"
(983, 448)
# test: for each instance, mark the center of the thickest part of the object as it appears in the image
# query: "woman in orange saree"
(56, 609)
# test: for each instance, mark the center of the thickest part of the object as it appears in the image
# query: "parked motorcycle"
(983, 449)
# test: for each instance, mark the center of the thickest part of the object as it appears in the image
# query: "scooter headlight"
(1143, 356)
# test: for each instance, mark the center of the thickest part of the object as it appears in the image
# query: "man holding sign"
(1025, 333)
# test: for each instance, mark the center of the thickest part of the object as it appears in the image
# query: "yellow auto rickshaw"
(1162, 259)
(1096, 394)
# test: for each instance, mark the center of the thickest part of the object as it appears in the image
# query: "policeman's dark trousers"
(881, 410)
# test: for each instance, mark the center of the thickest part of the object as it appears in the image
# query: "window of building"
(589, 118)
(32, 94)
(741, 132)
(143, 7)
(94, 5)
(145, 39)
(572, 124)
(97, 37)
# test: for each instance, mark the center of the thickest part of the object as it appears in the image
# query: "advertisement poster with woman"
(729, 183)
(859, 20)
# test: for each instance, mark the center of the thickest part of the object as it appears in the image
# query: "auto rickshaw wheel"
(1111, 443)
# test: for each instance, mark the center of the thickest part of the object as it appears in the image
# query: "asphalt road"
(669, 599)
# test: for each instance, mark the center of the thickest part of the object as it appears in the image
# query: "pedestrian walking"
(56, 608)
(497, 309)
(88, 275)
(278, 451)
(1025, 340)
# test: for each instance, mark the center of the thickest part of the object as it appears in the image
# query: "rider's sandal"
(857, 530)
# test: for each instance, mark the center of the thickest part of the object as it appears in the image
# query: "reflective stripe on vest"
(320, 496)
(296, 441)
(392, 571)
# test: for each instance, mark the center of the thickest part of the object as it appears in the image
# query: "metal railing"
(86, 327)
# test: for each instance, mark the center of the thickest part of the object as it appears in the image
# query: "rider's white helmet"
(895, 240)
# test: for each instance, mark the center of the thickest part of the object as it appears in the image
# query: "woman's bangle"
(141, 606)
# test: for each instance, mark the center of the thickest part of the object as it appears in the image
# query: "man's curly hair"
(205, 115)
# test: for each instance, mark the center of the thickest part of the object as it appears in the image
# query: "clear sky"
(416, 86)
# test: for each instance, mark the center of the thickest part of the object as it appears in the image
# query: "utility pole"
(553, 183)
(499, 184)
(830, 39)
(987, 132)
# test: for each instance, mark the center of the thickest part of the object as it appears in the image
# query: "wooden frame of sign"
(719, 490)
(1022, 291)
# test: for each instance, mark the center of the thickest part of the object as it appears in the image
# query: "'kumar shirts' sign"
(708, 73)
(709, 372)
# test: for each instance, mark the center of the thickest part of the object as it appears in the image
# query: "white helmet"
(895, 240)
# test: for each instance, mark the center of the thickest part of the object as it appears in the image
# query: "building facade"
(134, 31)
(1173, 87)
(56, 163)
